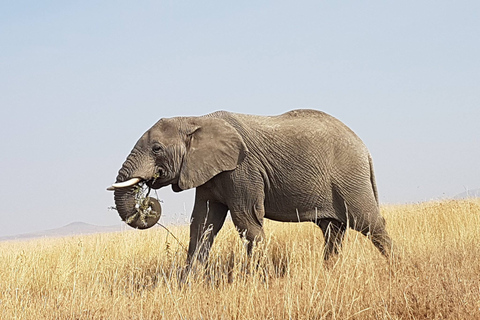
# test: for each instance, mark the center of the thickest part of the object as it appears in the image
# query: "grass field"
(135, 274)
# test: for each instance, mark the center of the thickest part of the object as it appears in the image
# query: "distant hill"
(75, 228)
(475, 193)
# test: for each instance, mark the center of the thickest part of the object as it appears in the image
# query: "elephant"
(303, 165)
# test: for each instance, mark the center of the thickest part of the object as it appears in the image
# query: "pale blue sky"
(81, 81)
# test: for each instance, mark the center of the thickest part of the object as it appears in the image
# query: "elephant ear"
(213, 146)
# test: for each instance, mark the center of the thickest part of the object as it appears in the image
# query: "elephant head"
(184, 152)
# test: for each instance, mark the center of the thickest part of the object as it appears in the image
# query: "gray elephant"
(303, 165)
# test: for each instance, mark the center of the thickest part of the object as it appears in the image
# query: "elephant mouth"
(155, 183)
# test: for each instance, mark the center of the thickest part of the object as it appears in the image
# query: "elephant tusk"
(124, 184)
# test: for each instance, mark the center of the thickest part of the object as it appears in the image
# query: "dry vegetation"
(134, 275)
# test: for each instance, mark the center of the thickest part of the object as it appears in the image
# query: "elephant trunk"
(125, 202)
(137, 212)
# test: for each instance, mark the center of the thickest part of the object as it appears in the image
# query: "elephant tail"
(372, 179)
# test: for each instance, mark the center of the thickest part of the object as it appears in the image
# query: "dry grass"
(134, 275)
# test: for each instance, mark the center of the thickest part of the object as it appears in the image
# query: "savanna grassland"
(135, 275)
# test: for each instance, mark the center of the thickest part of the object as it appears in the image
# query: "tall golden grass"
(135, 274)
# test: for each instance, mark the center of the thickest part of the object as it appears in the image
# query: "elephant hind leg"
(372, 225)
(380, 239)
(333, 232)
(363, 215)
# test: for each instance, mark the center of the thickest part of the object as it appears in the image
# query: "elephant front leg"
(207, 219)
(249, 223)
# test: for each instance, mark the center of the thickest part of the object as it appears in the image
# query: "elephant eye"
(157, 148)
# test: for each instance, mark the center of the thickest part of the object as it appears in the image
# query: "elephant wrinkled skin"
(303, 165)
